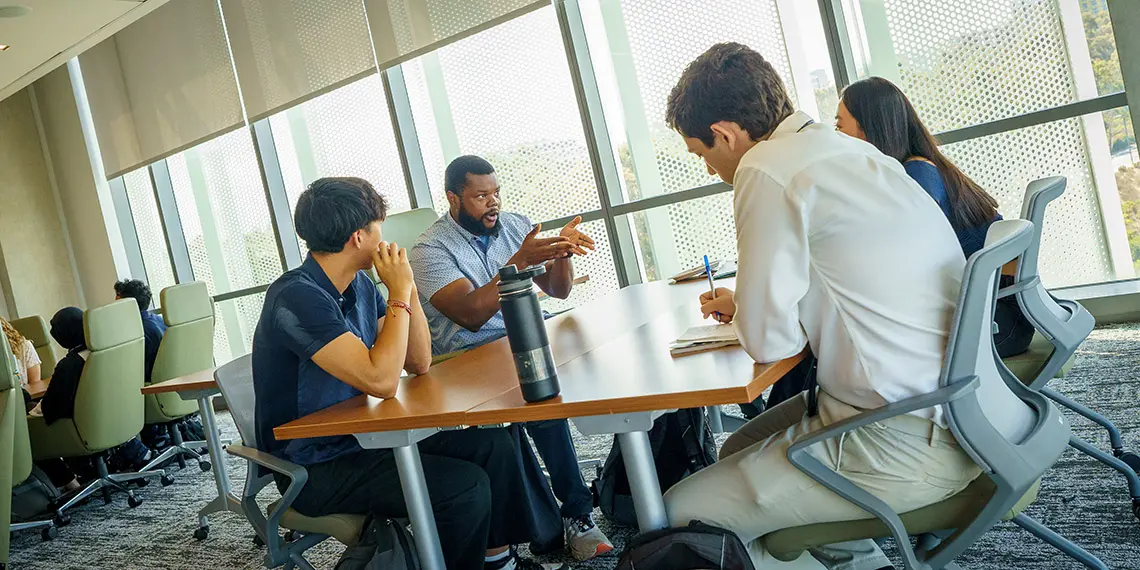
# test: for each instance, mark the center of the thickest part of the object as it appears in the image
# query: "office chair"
(21, 456)
(36, 330)
(187, 347)
(108, 404)
(235, 379)
(404, 229)
(1062, 325)
(1013, 433)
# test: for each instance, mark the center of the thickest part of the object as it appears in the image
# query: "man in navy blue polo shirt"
(327, 335)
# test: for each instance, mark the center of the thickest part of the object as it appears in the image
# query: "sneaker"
(584, 539)
(516, 562)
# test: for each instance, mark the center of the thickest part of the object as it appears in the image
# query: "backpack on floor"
(682, 444)
(384, 544)
(695, 546)
(33, 499)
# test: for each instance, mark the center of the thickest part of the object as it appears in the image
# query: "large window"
(346, 132)
(148, 227)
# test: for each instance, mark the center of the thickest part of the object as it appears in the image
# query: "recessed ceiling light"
(4, 47)
(14, 11)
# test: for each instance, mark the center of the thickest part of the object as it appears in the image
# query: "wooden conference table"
(616, 376)
(37, 389)
(201, 386)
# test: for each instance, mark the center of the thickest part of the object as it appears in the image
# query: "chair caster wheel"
(257, 541)
(290, 536)
(1131, 459)
(202, 532)
(166, 480)
(49, 533)
(141, 483)
(61, 520)
(204, 465)
(133, 501)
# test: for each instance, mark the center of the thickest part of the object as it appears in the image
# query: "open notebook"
(721, 269)
(704, 337)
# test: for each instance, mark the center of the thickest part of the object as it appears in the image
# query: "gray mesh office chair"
(1065, 325)
(1013, 433)
(235, 379)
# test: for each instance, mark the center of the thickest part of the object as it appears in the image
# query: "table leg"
(715, 423)
(419, 507)
(214, 445)
(643, 484)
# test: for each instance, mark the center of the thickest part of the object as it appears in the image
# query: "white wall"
(38, 277)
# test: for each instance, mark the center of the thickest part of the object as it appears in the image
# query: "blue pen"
(712, 288)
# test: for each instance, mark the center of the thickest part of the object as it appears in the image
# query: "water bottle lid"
(512, 280)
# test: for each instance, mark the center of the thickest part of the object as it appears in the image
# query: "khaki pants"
(753, 490)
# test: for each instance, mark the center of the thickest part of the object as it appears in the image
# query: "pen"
(712, 288)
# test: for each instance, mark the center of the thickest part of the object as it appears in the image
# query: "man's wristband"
(400, 304)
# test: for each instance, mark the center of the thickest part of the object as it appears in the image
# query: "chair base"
(106, 483)
(47, 528)
(179, 451)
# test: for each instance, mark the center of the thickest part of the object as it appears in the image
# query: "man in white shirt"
(841, 251)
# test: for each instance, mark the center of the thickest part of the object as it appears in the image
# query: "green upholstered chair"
(235, 379)
(1013, 433)
(22, 451)
(187, 347)
(404, 228)
(11, 406)
(36, 330)
(108, 403)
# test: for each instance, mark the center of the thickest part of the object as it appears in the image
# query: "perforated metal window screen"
(225, 218)
(234, 323)
(966, 63)
(346, 132)
(700, 227)
(599, 265)
(664, 36)
(508, 98)
(148, 227)
(1073, 247)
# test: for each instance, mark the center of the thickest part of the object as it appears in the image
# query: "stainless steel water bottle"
(526, 332)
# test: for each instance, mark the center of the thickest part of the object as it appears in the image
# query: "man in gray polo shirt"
(456, 264)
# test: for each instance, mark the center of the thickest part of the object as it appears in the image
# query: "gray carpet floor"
(1081, 499)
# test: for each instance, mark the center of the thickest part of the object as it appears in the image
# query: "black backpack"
(34, 498)
(682, 444)
(695, 546)
(384, 544)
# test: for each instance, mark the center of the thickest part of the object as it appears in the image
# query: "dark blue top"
(153, 329)
(928, 176)
(302, 313)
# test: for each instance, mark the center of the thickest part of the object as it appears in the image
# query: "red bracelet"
(400, 304)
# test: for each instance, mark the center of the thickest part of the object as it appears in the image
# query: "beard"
(476, 225)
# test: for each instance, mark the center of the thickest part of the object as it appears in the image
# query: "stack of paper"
(704, 337)
(720, 269)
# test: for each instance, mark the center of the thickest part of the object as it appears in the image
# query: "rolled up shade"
(405, 29)
(161, 85)
(288, 51)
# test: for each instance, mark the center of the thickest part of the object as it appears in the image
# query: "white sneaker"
(584, 539)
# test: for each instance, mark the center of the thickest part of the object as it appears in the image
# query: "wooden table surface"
(203, 380)
(642, 318)
(38, 389)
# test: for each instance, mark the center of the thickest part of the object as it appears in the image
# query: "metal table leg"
(643, 484)
(225, 500)
(414, 485)
(714, 416)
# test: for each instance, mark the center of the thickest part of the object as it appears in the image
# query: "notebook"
(720, 269)
(704, 337)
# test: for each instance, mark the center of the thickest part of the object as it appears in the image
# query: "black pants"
(473, 480)
(1014, 331)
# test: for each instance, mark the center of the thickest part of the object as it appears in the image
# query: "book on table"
(720, 268)
(704, 337)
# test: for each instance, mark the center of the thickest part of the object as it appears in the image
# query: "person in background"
(456, 263)
(877, 111)
(841, 251)
(27, 360)
(59, 402)
(327, 335)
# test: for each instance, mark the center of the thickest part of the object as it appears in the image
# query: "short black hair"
(134, 289)
(455, 177)
(331, 209)
(729, 82)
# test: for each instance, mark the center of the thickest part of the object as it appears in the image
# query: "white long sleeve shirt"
(841, 250)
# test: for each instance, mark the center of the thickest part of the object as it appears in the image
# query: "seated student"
(841, 251)
(877, 111)
(27, 360)
(59, 401)
(327, 335)
(457, 262)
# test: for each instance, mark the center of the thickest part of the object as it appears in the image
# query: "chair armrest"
(798, 455)
(297, 475)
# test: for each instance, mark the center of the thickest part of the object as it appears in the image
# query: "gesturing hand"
(579, 240)
(535, 250)
(392, 266)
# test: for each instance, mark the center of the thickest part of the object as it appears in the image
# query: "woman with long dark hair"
(877, 111)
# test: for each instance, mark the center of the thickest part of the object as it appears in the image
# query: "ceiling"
(55, 31)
